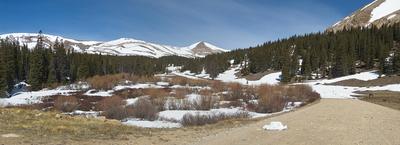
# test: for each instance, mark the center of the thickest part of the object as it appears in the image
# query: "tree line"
(315, 55)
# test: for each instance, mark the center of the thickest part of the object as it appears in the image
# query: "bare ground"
(331, 121)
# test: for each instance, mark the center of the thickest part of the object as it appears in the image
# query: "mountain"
(377, 13)
(119, 47)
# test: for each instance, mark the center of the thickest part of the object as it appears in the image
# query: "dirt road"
(331, 121)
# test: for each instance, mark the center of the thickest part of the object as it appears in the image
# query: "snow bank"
(364, 76)
(151, 124)
(24, 98)
(93, 92)
(386, 8)
(229, 76)
(275, 126)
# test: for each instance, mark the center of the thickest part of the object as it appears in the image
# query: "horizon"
(229, 24)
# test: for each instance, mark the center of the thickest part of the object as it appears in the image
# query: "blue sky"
(226, 23)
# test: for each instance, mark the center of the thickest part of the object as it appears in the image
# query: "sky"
(229, 24)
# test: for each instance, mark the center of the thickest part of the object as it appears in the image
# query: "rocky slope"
(377, 13)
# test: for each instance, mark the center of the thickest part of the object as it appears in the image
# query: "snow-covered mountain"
(377, 13)
(119, 47)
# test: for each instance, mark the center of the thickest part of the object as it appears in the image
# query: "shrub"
(199, 119)
(186, 81)
(270, 103)
(271, 99)
(114, 108)
(156, 93)
(143, 108)
(217, 86)
(205, 103)
(235, 92)
(301, 93)
(107, 82)
(181, 93)
(66, 103)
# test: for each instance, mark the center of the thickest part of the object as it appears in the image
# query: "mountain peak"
(377, 13)
(119, 47)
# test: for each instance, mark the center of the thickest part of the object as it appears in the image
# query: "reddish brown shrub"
(205, 103)
(107, 82)
(156, 93)
(114, 108)
(235, 92)
(198, 119)
(217, 86)
(66, 103)
(181, 93)
(143, 108)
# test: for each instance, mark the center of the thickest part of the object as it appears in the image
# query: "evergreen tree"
(37, 65)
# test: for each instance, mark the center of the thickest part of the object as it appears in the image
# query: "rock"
(10, 135)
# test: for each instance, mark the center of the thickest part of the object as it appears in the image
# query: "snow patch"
(151, 124)
(275, 126)
(386, 8)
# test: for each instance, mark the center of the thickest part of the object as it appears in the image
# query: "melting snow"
(151, 124)
(275, 126)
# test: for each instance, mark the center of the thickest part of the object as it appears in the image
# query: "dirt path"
(331, 121)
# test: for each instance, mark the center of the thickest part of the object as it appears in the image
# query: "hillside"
(377, 13)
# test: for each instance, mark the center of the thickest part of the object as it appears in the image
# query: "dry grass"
(385, 98)
(38, 124)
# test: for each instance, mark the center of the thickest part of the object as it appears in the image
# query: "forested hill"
(309, 56)
(315, 55)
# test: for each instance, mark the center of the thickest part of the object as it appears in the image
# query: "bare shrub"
(130, 93)
(235, 92)
(114, 108)
(181, 93)
(156, 93)
(199, 119)
(271, 99)
(186, 81)
(66, 103)
(301, 93)
(270, 103)
(217, 86)
(107, 82)
(143, 108)
(205, 103)
(159, 103)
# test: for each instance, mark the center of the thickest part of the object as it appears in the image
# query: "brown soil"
(331, 121)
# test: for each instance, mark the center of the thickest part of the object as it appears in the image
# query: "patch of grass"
(385, 98)
(34, 123)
